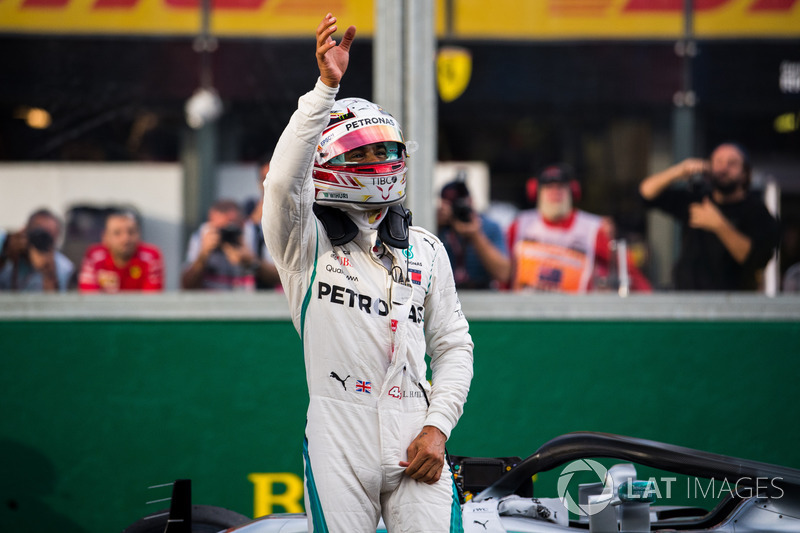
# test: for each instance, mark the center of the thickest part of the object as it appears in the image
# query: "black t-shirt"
(704, 263)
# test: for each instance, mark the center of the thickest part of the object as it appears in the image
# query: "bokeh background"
(93, 97)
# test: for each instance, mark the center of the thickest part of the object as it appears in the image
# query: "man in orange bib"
(558, 248)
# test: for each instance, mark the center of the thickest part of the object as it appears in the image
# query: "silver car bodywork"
(767, 498)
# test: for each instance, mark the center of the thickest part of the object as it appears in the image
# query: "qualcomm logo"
(584, 465)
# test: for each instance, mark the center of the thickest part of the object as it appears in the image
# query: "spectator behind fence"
(253, 235)
(728, 234)
(475, 243)
(30, 260)
(121, 262)
(558, 248)
(217, 258)
(791, 279)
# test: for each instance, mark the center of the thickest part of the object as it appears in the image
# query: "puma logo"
(481, 523)
(335, 376)
(429, 242)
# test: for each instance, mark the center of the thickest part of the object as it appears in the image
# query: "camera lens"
(40, 239)
(231, 234)
(462, 210)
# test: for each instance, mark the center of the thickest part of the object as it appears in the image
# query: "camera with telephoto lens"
(701, 184)
(462, 209)
(40, 239)
(231, 234)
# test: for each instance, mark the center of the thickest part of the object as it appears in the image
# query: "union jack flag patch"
(364, 386)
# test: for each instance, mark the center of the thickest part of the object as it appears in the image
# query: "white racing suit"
(365, 334)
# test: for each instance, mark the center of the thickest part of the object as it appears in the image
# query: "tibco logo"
(584, 465)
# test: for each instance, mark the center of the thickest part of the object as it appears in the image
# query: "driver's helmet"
(356, 122)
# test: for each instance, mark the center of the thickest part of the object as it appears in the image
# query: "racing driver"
(370, 295)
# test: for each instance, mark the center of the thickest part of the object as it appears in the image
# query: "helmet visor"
(355, 133)
(394, 152)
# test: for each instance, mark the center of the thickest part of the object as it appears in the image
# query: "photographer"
(217, 258)
(266, 273)
(29, 260)
(475, 243)
(728, 234)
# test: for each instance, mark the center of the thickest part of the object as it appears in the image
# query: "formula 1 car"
(760, 497)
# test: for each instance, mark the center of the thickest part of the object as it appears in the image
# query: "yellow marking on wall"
(266, 499)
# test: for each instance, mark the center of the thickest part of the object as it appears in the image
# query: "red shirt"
(144, 272)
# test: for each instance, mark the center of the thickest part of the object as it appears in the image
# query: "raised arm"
(288, 189)
(654, 185)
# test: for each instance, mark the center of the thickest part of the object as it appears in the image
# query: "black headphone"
(553, 174)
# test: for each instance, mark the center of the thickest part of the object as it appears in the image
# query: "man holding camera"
(475, 244)
(29, 260)
(728, 233)
(217, 257)
(121, 262)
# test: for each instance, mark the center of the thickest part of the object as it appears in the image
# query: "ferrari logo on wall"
(453, 71)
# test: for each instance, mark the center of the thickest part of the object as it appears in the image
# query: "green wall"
(94, 412)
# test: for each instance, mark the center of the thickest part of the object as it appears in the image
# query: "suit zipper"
(388, 287)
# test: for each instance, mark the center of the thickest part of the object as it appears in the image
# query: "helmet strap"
(394, 228)
(338, 226)
(341, 229)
